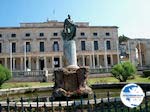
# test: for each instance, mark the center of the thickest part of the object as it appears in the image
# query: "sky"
(131, 16)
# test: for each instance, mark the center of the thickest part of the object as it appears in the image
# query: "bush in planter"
(146, 73)
(123, 71)
(5, 74)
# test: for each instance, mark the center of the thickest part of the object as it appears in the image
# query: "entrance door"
(41, 62)
(56, 62)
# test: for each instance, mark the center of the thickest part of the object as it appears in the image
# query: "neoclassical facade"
(137, 51)
(38, 46)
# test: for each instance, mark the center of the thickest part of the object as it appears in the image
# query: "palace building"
(137, 51)
(38, 46)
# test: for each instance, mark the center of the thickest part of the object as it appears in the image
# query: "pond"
(45, 96)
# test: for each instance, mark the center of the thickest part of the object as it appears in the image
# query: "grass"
(9, 85)
(91, 81)
(101, 80)
(137, 79)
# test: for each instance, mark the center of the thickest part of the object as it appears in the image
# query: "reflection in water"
(45, 96)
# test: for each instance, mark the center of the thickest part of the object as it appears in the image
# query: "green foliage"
(123, 71)
(146, 73)
(123, 39)
(4, 74)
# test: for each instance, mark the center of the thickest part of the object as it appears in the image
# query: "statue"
(69, 31)
(70, 81)
(68, 34)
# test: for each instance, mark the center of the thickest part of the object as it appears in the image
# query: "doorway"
(41, 61)
(56, 62)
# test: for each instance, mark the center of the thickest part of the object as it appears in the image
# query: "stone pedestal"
(70, 57)
(71, 82)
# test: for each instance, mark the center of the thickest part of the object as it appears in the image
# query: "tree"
(5, 74)
(123, 39)
(123, 71)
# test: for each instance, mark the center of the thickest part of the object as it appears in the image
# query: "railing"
(109, 104)
(28, 73)
(99, 70)
(141, 68)
(50, 71)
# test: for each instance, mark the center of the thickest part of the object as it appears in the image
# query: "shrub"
(4, 74)
(123, 71)
(146, 73)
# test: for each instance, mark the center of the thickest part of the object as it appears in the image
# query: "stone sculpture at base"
(71, 80)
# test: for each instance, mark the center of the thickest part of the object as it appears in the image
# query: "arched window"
(55, 46)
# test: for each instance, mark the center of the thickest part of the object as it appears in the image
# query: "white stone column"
(6, 62)
(21, 63)
(25, 56)
(45, 62)
(60, 58)
(90, 60)
(83, 60)
(52, 61)
(140, 56)
(10, 50)
(92, 44)
(29, 62)
(105, 56)
(118, 54)
(112, 61)
(37, 63)
(98, 60)
(14, 64)
(129, 51)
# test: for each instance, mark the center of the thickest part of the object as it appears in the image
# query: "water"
(44, 96)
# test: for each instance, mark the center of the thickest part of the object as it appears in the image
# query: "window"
(41, 46)
(27, 34)
(13, 35)
(95, 45)
(55, 34)
(0, 47)
(82, 45)
(13, 47)
(28, 47)
(108, 46)
(0, 35)
(94, 34)
(55, 46)
(82, 34)
(41, 34)
(107, 34)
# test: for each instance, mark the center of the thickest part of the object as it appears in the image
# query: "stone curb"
(25, 90)
(144, 86)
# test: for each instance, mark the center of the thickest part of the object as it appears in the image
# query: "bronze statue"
(69, 31)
